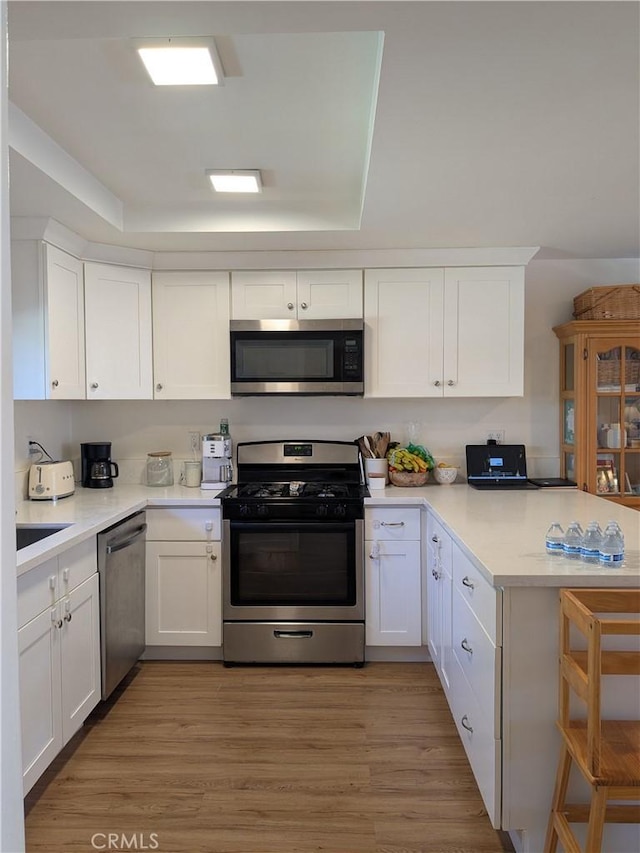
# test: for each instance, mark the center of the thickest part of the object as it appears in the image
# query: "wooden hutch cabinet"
(600, 407)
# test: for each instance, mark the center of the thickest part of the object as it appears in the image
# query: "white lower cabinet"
(183, 577)
(464, 634)
(393, 577)
(59, 649)
(438, 553)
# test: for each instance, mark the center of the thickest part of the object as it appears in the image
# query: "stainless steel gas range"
(293, 538)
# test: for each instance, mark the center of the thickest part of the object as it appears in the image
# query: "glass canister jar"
(159, 468)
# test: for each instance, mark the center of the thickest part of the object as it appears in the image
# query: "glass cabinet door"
(617, 419)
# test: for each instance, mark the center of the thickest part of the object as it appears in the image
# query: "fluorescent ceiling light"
(181, 62)
(235, 180)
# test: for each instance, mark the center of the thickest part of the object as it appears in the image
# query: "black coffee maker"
(98, 470)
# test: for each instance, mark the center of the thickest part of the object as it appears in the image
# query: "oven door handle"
(292, 635)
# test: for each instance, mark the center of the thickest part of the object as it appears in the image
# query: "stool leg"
(597, 815)
(559, 794)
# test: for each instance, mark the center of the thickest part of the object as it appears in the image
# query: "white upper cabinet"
(455, 332)
(118, 333)
(48, 322)
(290, 295)
(483, 332)
(191, 335)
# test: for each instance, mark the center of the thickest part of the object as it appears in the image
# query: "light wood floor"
(265, 760)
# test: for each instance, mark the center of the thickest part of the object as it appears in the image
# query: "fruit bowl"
(445, 475)
(408, 478)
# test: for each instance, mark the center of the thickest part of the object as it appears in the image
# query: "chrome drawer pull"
(434, 538)
(392, 523)
(467, 582)
(67, 617)
(464, 722)
(465, 645)
(293, 635)
(435, 574)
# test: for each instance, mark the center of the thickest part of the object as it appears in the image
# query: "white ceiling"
(375, 125)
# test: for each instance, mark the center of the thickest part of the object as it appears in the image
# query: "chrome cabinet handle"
(467, 582)
(159, 386)
(434, 538)
(465, 645)
(94, 385)
(214, 557)
(290, 306)
(54, 619)
(392, 523)
(67, 617)
(450, 383)
(435, 574)
(464, 722)
(55, 383)
(437, 383)
(304, 305)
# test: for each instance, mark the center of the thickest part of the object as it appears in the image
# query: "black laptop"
(497, 466)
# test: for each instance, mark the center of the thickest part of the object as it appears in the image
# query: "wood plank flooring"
(198, 758)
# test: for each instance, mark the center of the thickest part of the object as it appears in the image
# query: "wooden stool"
(607, 752)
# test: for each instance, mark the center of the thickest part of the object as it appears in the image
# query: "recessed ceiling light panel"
(181, 62)
(235, 180)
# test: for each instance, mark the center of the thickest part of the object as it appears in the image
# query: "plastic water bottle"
(612, 547)
(572, 541)
(554, 540)
(590, 545)
(617, 527)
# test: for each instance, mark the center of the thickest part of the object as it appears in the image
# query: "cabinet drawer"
(476, 732)
(37, 590)
(481, 597)
(182, 523)
(77, 565)
(392, 523)
(55, 578)
(478, 658)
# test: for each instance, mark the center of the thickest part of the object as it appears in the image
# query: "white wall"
(11, 822)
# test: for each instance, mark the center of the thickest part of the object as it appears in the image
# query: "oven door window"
(270, 357)
(279, 563)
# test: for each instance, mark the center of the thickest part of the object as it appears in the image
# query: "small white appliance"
(51, 480)
(217, 469)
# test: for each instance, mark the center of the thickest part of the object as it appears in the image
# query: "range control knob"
(340, 511)
(262, 510)
(322, 511)
(244, 510)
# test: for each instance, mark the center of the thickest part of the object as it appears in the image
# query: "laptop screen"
(504, 463)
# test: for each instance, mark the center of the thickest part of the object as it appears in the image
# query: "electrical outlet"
(194, 442)
(32, 450)
(496, 435)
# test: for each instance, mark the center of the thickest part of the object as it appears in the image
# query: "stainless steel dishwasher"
(121, 555)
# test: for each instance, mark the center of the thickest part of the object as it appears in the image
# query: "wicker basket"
(609, 372)
(620, 302)
(408, 478)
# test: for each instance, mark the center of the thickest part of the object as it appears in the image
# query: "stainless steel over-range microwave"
(305, 357)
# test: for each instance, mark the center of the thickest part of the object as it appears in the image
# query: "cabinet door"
(39, 664)
(403, 311)
(267, 295)
(439, 600)
(64, 291)
(80, 655)
(329, 294)
(48, 322)
(393, 599)
(183, 594)
(191, 335)
(118, 333)
(484, 332)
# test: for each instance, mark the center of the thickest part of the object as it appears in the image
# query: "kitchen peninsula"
(501, 596)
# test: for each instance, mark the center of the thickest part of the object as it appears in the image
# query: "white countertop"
(502, 532)
(88, 511)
